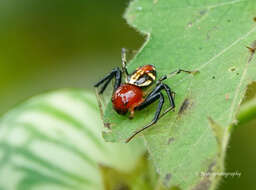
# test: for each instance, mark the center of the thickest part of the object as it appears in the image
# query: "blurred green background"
(51, 44)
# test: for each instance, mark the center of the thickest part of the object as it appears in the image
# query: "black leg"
(172, 107)
(118, 79)
(152, 97)
(114, 73)
(147, 102)
(169, 93)
(175, 73)
(124, 60)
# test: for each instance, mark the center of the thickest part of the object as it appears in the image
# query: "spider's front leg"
(156, 94)
(115, 73)
(124, 52)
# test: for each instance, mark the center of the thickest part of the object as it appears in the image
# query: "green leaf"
(53, 142)
(210, 36)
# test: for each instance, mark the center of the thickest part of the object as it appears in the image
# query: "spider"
(130, 95)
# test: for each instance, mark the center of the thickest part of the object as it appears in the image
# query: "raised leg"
(106, 80)
(124, 61)
(124, 52)
(175, 73)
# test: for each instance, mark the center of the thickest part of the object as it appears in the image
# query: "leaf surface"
(210, 36)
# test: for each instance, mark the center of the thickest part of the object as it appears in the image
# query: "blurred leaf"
(209, 36)
(138, 179)
(250, 92)
(53, 142)
(247, 111)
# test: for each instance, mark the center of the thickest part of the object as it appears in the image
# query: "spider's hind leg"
(170, 94)
(149, 100)
(156, 94)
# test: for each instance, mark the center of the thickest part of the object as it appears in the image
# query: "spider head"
(143, 76)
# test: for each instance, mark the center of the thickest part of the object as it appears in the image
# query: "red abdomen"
(126, 98)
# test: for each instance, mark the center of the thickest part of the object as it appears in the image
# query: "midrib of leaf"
(231, 118)
(235, 102)
(222, 52)
(226, 49)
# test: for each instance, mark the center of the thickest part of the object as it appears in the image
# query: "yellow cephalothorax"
(142, 76)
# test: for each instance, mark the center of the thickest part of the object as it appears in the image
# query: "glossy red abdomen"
(126, 98)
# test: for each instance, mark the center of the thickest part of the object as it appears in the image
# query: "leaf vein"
(224, 4)
(227, 48)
